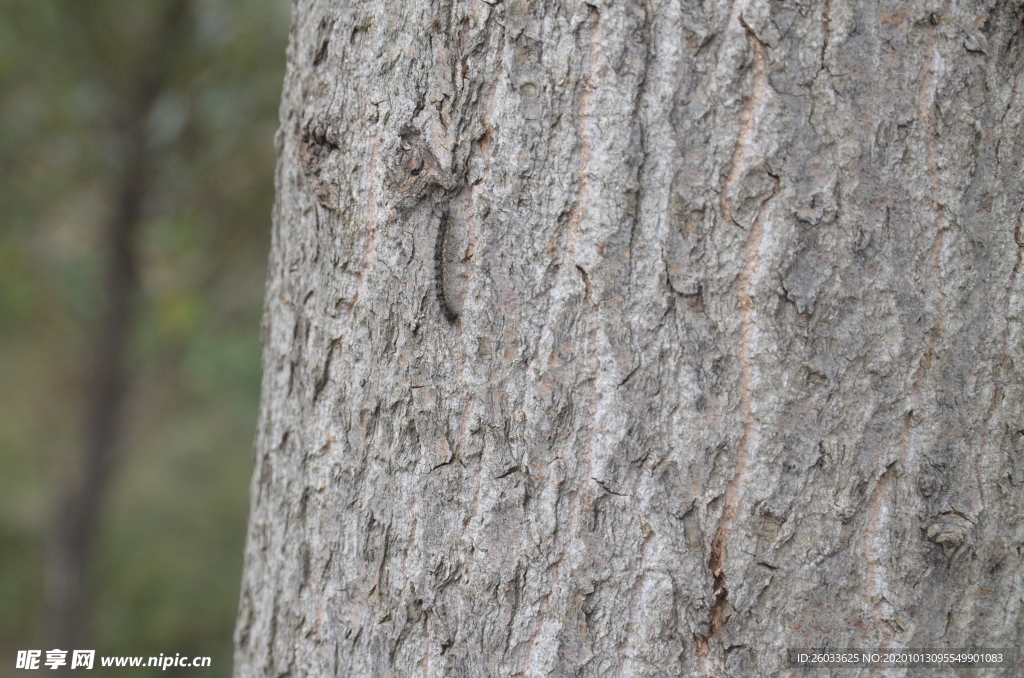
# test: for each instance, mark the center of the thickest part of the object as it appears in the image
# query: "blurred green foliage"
(166, 570)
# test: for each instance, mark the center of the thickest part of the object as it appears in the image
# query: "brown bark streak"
(746, 302)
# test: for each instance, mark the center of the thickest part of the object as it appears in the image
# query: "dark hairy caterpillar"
(440, 258)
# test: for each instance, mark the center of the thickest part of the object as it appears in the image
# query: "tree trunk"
(734, 358)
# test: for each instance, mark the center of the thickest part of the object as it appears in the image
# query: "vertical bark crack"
(748, 122)
(746, 298)
(826, 29)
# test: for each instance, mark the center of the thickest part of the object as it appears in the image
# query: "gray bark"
(737, 365)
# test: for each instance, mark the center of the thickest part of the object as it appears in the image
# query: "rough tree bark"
(737, 365)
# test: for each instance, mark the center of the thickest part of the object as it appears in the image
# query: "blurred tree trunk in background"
(737, 366)
(80, 503)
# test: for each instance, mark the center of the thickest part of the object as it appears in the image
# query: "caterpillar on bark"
(441, 268)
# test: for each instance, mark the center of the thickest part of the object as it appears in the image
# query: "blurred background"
(136, 184)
